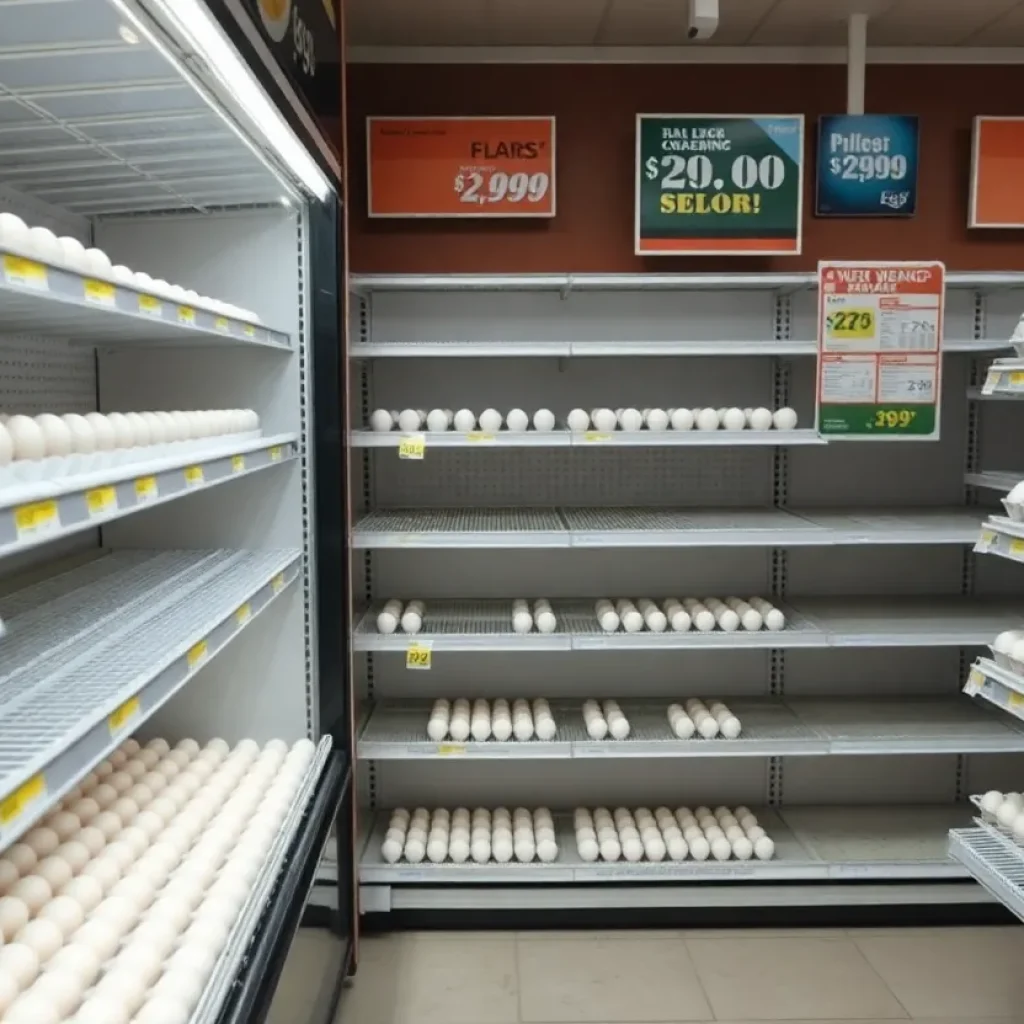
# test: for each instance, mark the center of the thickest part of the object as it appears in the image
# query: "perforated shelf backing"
(45, 374)
(116, 637)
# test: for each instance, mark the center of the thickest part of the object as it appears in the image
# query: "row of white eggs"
(1007, 809)
(48, 435)
(457, 836)
(394, 614)
(159, 894)
(606, 420)
(605, 719)
(636, 835)
(728, 615)
(542, 616)
(459, 721)
(42, 244)
(1008, 649)
(709, 721)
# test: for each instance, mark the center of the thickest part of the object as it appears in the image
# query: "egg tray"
(65, 467)
(1006, 662)
(1014, 509)
(993, 828)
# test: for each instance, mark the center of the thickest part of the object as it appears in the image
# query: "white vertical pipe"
(856, 59)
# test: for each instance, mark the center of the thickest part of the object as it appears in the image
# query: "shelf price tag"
(237, 463)
(37, 519)
(249, 331)
(1017, 547)
(100, 293)
(1016, 699)
(450, 749)
(975, 680)
(146, 489)
(194, 476)
(101, 501)
(991, 382)
(276, 453)
(150, 305)
(418, 656)
(277, 583)
(244, 614)
(221, 323)
(596, 436)
(197, 654)
(1017, 379)
(27, 273)
(186, 315)
(17, 803)
(412, 446)
(120, 719)
(478, 438)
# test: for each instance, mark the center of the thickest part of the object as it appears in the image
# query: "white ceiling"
(998, 23)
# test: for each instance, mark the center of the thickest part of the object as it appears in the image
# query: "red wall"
(595, 106)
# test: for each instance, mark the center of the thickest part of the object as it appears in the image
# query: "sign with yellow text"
(461, 166)
(997, 170)
(729, 184)
(880, 350)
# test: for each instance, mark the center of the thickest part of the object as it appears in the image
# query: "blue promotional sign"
(867, 165)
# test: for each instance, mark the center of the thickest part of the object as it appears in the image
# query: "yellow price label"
(186, 315)
(976, 677)
(1017, 378)
(418, 656)
(450, 749)
(27, 273)
(102, 293)
(194, 476)
(594, 435)
(276, 453)
(221, 323)
(277, 583)
(150, 305)
(13, 806)
(855, 324)
(244, 614)
(237, 463)
(894, 419)
(146, 489)
(250, 331)
(477, 438)
(1017, 546)
(987, 539)
(128, 711)
(412, 447)
(197, 654)
(1016, 700)
(101, 500)
(38, 518)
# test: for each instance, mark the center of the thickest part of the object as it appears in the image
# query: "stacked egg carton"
(439, 421)
(118, 906)
(50, 447)
(709, 615)
(642, 836)
(1008, 650)
(608, 420)
(485, 836)
(1004, 811)
(459, 721)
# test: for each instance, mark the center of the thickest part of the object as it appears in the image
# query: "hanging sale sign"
(729, 184)
(880, 349)
(461, 166)
(997, 170)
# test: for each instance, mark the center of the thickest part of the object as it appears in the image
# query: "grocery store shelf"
(590, 438)
(811, 844)
(92, 653)
(486, 625)
(995, 480)
(977, 394)
(1005, 379)
(37, 511)
(660, 527)
(997, 685)
(56, 301)
(996, 865)
(568, 282)
(771, 728)
(1001, 536)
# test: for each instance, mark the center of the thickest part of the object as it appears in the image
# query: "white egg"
(700, 848)
(83, 437)
(56, 434)
(760, 419)
(35, 1007)
(991, 801)
(656, 419)
(734, 419)
(13, 232)
(681, 419)
(707, 419)
(610, 849)
(42, 936)
(481, 850)
(785, 419)
(464, 421)
(73, 254)
(122, 274)
(543, 420)
(43, 245)
(578, 419)
(516, 420)
(97, 262)
(27, 438)
(103, 431)
(103, 1008)
(764, 848)
(630, 419)
(14, 915)
(490, 421)
(77, 960)
(604, 420)
(437, 420)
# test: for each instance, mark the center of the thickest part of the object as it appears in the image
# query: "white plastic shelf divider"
(589, 439)
(771, 728)
(993, 864)
(1001, 536)
(997, 685)
(232, 956)
(55, 301)
(659, 527)
(995, 479)
(92, 653)
(41, 511)
(811, 844)
(486, 625)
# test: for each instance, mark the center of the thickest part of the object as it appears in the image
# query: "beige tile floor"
(938, 976)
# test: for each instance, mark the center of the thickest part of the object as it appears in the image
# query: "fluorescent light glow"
(193, 27)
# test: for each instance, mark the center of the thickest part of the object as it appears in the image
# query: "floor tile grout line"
(696, 973)
(871, 967)
(519, 979)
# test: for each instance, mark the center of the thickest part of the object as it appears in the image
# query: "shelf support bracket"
(856, 61)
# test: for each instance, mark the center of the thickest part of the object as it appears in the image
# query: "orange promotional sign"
(997, 170)
(461, 166)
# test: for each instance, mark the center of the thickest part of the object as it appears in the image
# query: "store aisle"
(942, 976)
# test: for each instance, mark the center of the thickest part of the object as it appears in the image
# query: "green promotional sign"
(727, 184)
